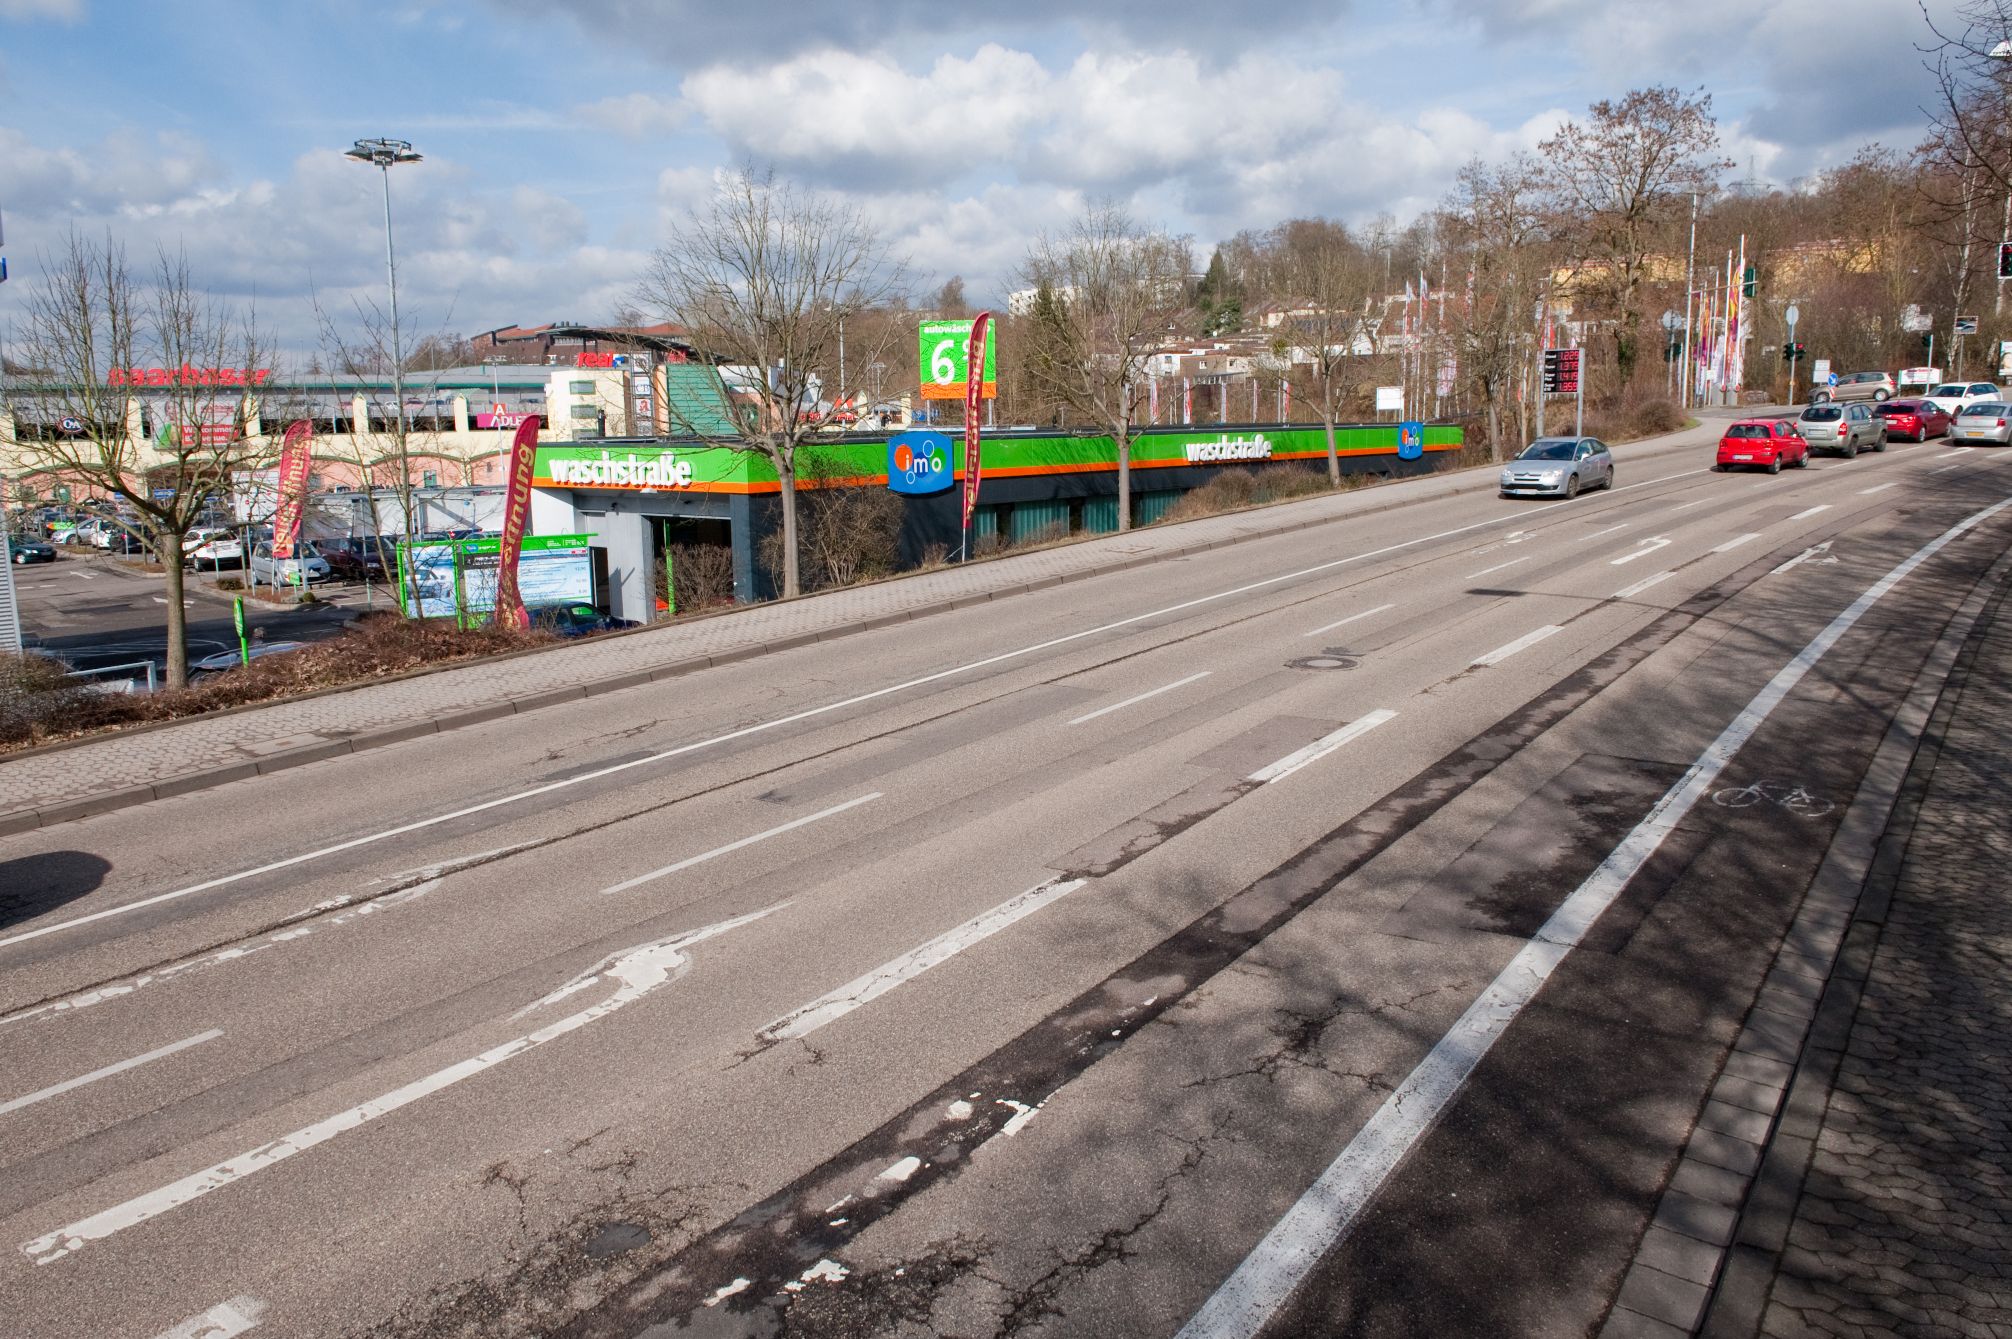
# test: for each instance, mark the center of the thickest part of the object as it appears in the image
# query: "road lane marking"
(1644, 549)
(57, 1090)
(1320, 748)
(763, 727)
(803, 1021)
(1815, 553)
(1339, 622)
(1608, 531)
(1958, 450)
(1523, 643)
(1630, 592)
(221, 1321)
(1688, 505)
(1736, 541)
(1151, 692)
(776, 831)
(1808, 512)
(1269, 1275)
(638, 971)
(1879, 488)
(1955, 465)
(1498, 567)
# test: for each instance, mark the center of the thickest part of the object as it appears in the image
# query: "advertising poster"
(458, 577)
(296, 456)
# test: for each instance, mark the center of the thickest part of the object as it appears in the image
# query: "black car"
(358, 558)
(27, 551)
(577, 620)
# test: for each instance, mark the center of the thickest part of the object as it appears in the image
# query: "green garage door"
(1039, 520)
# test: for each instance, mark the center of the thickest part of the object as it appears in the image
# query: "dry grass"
(1234, 490)
(38, 705)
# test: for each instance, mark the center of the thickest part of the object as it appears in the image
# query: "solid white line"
(109, 1070)
(1808, 512)
(1320, 748)
(1630, 592)
(1498, 567)
(1330, 627)
(1879, 488)
(828, 1008)
(1523, 643)
(1735, 542)
(1608, 531)
(221, 1321)
(763, 727)
(639, 971)
(1266, 1279)
(777, 831)
(1151, 692)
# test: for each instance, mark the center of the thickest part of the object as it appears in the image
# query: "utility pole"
(1690, 266)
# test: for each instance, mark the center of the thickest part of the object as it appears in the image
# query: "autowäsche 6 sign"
(918, 463)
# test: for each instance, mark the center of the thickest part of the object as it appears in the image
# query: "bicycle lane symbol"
(1780, 794)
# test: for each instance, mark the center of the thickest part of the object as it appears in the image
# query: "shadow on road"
(36, 884)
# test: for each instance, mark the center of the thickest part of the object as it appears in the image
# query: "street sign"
(1561, 371)
(1966, 325)
(238, 621)
(164, 494)
(1410, 440)
(918, 463)
(1389, 398)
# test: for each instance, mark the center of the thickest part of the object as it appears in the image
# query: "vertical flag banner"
(510, 611)
(974, 399)
(296, 455)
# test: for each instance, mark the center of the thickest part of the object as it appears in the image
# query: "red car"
(1916, 420)
(1762, 444)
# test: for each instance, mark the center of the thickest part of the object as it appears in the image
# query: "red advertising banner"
(510, 611)
(974, 399)
(296, 455)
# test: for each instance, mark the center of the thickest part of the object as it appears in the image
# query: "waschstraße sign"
(863, 462)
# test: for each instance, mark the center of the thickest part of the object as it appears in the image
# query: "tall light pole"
(383, 154)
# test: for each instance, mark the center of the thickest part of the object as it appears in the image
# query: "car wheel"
(1851, 450)
(1880, 444)
(1572, 485)
(1882, 395)
(1610, 480)
(1774, 466)
(1802, 461)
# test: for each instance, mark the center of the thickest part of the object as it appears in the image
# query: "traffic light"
(2005, 260)
(1750, 281)
(1928, 340)
(1791, 352)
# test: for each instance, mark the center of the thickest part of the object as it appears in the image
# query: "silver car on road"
(1559, 467)
(1845, 429)
(1982, 421)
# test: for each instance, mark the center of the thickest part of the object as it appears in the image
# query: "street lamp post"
(2001, 53)
(383, 154)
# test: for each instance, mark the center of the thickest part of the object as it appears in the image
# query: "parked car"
(213, 547)
(1856, 386)
(1984, 421)
(1845, 429)
(1916, 420)
(1762, 444)
(266, 570)
(358, 558)
(25, 551)
(1952, 396)
(1559, 467)
(576, 620)
(223, 662)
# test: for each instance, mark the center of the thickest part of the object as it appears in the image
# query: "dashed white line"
(1643, 549)
(221, 1321)
(1497, 568)
(1340, 622)
(1879, 488)
(1958, 450)
(1268, 1276)
(776, 831)
(827, 1008)
(1957, 465)
(1132, 701)
(58, 1089)
(1608, 531)
(1630, 592)
(1688, 505)
(1736, 541)
(1808, 512)
(1523, 643)
(1320, 748)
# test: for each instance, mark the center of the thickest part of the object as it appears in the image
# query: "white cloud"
(69, 11)
(636, 115)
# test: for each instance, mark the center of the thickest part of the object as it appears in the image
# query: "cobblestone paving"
(1905, 1222)
(150, 757)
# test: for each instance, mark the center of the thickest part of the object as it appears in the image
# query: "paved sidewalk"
(134, 766)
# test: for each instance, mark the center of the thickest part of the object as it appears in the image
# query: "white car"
(1953, 395)
(266, 570)
(213, 548)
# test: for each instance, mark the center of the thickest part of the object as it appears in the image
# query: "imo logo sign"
(918, 463)
(1410, 440)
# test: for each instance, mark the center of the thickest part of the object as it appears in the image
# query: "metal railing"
(131, 683)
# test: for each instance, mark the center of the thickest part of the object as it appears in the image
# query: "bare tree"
(1622, 182)
(145, 392)
(763, 278)
(1322, 283)
(1497, 215)
(1108, 292)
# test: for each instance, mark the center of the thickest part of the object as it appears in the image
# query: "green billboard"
(943, 351)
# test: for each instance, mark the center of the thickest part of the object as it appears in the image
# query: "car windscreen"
(1823, 413)
(1982, 409)
(1950, 392)
(1748, 430)
(1550, 450)
(1902, 407)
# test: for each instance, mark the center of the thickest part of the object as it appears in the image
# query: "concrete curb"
(1708, 1259)
(27, 820)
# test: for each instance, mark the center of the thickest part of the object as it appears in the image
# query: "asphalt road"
(95, 611)
(1013, 971)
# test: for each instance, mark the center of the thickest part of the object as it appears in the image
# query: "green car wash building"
(638, 498)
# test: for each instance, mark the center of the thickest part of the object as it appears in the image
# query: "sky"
(563, 139)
